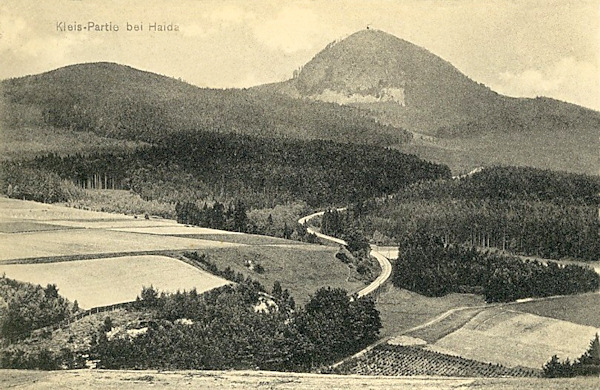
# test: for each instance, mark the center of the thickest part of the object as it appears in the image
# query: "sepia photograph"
(300, 194)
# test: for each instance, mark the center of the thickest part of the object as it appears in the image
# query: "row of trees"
(587, 364)
(428, 266)
(215, 216)
(22, 182)
(226, 329)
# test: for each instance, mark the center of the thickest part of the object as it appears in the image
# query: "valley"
(315, 232)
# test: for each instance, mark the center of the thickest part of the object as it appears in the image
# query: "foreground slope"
(104, 379)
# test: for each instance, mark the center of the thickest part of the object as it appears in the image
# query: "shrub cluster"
(237, 326)
(30, 307)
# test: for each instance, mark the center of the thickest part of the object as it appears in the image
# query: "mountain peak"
(372, 66)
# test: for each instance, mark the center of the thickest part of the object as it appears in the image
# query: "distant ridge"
(369, 88)
(122, 102)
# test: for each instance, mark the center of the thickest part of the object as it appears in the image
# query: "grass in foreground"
(218, 380)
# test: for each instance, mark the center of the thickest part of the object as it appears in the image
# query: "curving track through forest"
(384, 262)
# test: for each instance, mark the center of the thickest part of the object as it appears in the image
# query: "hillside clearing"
(102, 282)
(302, 269)
(581, 309)
(402, 310)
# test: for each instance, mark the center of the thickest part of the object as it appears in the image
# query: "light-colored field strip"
(91, 241)
(101, 282)
(515, 339)
(28, 210)
(119, 223)
(173, 230)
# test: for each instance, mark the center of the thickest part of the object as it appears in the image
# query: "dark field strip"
(444, 327)
(26, 226)
(583, 309)
(397, 360)
(90, 256)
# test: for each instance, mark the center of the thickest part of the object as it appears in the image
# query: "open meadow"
(92, 241)
(402, 310)
(103, 282)
(583, 309)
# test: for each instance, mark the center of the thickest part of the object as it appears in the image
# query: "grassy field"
(27, 226)
(402, 309)
(445, 326)
(246, 239)
(81, 236)
(512, 338)
(498, 148)
(171, 228)
(15, 209)
(581, 309)
(92, 241)
(301, 269)
(218, 380)
(102, 282)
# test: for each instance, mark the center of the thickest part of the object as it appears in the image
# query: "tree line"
(587, 364)
(429, 266)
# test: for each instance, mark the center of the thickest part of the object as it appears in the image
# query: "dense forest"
(240, 327)
(522, 210)
(228, 167)
(430, 267)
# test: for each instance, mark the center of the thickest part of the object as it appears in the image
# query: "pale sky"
(519, 48)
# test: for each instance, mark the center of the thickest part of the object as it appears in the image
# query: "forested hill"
(408, 86)
(455, 120)
(512, 183)
(121, 102)
(261, 172)
(523, 210)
